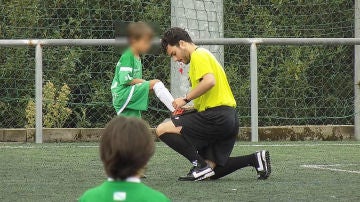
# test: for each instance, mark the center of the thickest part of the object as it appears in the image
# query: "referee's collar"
(129, 179)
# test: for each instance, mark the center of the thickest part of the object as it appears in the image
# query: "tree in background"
(55, 108)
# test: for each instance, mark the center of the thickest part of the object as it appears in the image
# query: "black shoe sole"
(186, 178)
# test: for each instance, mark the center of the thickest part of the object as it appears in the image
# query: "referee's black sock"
(233, 164)
(179, 144)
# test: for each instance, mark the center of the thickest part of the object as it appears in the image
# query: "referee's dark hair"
(125, 148)
(172, 37)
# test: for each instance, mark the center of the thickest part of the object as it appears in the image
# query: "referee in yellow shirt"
(206, 137)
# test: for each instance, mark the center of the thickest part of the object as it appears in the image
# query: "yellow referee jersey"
(203, 62)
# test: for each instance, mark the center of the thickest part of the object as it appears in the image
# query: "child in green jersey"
(125, 148)
(129, 91)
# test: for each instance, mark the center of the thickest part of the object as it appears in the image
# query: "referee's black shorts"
(212, 132)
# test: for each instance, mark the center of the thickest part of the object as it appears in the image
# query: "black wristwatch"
(186, 100)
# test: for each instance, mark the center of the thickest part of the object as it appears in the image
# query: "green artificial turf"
(62, 172)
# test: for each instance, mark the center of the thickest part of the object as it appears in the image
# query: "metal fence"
(349, 112)
(297, 85)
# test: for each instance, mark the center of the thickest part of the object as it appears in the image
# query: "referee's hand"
(178, 103)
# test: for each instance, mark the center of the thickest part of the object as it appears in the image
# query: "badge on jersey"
(119, 196)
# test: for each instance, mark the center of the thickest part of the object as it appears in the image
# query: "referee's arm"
(206, 83)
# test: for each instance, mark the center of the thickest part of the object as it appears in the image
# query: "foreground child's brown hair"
(138, 30)
(125, 148)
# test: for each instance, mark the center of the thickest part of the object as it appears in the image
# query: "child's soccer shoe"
(178, 112)
(182, 111)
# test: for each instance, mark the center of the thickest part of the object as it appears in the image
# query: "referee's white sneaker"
(263, 166)
(198, 173)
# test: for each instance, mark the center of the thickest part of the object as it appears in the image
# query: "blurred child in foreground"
(125, 148)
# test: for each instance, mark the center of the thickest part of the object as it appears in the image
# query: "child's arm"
(136, 81)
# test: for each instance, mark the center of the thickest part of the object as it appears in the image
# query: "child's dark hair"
(125, 147)
(172, 37)
(138, 30)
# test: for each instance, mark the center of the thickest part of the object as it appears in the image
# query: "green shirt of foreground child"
(125, 148)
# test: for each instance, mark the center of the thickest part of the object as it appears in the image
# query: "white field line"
(164, 146)
(331, 167)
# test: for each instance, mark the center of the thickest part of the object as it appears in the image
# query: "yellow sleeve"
(201, 66)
